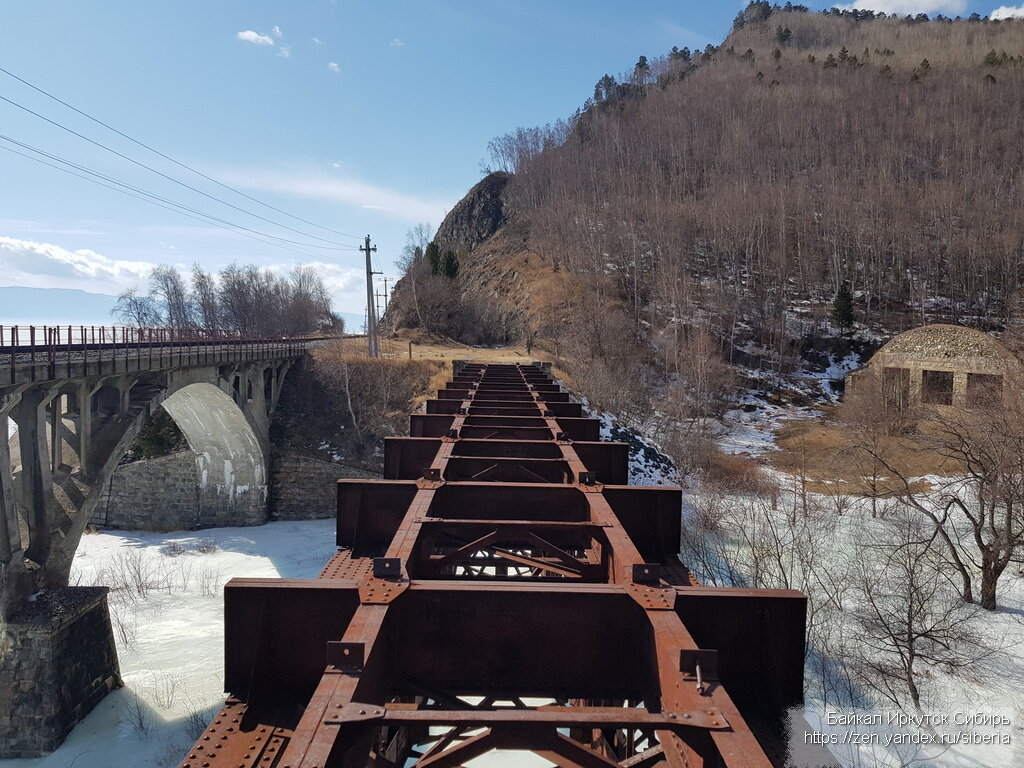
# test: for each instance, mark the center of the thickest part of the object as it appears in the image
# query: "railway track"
(504, 589)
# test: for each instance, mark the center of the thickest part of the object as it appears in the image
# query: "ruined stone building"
(942, 365)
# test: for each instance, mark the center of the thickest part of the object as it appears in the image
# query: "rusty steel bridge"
(504, 588)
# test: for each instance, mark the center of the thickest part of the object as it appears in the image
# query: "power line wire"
(182, 210)
(164, 175)
(169, 158)
(161, 198)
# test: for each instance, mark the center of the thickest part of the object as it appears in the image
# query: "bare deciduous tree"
(243, 299)
(978, 512)
(910, 617)
(135, 309)
(170, 293)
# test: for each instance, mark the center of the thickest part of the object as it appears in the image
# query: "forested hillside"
(719, 200)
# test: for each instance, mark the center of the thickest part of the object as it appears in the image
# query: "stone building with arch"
(938, 365)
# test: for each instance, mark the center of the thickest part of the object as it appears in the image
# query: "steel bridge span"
(504, 589)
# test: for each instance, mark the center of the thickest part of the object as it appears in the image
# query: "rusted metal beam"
(526, 590)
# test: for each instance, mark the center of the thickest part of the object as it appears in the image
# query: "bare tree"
(987, 441)
(978, 513)
(137, 310)
(910, 618)
(171, 296)
(205, 299)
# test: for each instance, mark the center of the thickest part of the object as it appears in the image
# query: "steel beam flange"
(710, 718)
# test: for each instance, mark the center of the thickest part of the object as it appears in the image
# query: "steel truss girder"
(487, 598)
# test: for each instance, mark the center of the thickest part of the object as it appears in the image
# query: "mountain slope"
(738, 188)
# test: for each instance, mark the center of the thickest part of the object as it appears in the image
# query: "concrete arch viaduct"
(76, 408)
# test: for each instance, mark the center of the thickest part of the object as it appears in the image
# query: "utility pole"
(386, 281)
(371, 315)
(378, 296)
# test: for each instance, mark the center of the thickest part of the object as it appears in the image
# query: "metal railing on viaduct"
(49, 352)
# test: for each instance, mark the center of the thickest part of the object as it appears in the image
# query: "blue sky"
(363, 117)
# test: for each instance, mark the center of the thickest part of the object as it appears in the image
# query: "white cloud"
(45, 265)
(1008, 12)
(911, 7)
(318, 41)
(276, 31)
(349, 191)
(346, 285)
(396, 43)
(333, 66)
(33, 264)
(256, 38)
(284, 52)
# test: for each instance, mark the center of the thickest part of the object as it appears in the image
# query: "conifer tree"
(842, 307)
(434, 258)
(450, 265)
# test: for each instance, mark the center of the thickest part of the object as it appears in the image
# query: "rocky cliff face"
(476, 217)
(506, 282)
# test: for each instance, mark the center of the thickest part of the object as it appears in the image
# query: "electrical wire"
(149, 199)
(162, 199)
(149, 168)
(169, 158)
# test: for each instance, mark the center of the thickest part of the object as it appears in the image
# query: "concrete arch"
(231, 464)
(74, 421)
(71, 435)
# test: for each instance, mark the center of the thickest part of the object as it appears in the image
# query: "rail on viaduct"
(77, 399)
(503, 588)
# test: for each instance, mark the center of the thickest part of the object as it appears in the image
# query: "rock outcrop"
(476, 217)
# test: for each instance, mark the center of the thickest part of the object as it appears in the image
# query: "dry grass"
(826, 453)
(426, 346)
(739, 474)
(440, 351)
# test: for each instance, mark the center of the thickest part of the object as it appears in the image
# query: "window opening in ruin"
(896, 387)
(937, 387)
(983, 386)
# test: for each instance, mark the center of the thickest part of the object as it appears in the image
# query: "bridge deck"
(48, 353)
(521, 606)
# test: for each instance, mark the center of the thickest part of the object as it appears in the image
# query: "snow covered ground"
(167, 614)
(991, 686)
(170, 638)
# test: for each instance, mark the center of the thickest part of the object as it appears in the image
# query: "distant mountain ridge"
(20, 305)
(54, 306)
(740, 187)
